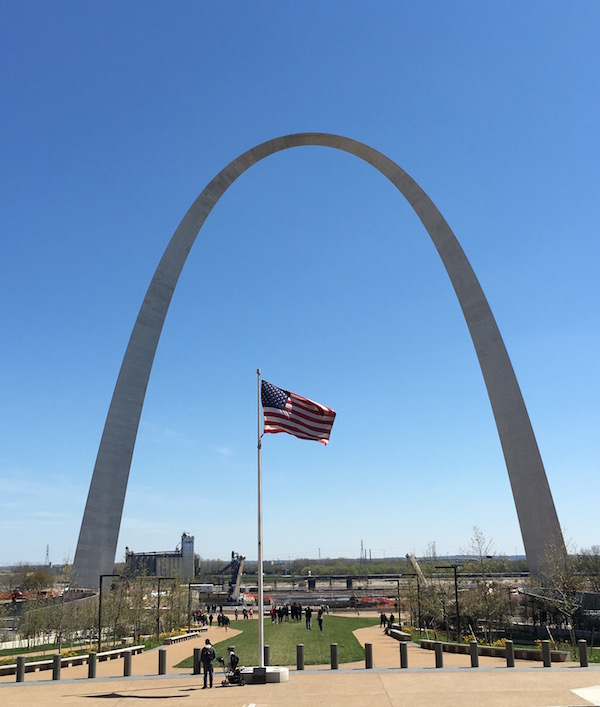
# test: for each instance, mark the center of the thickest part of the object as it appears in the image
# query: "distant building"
(180, 563)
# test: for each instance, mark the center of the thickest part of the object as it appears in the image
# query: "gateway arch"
(97, 544)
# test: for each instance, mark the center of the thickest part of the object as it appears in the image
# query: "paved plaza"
(528, 684)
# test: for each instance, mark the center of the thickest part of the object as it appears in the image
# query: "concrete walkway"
(526, 685)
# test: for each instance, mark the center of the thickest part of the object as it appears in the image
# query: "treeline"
(341, 566)
(130, 609)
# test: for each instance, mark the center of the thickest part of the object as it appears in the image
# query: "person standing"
(308, 615)
(207, 658)
(320, 618)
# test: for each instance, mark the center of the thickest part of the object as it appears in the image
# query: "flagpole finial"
(258, 371)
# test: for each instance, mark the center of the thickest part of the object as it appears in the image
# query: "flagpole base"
(268, 674)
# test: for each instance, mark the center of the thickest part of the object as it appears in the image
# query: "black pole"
(158, 609)
(455, 568)
(100, 617)
(158, 612)
(102, 576)
(189, 606)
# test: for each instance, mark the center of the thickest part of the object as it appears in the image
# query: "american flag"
(287, 412)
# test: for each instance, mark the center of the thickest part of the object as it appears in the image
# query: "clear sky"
(115, 115)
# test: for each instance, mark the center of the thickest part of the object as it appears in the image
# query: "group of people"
(294, 611)
(246, 613)
(278, 614)
(205, 618)
(386, 622)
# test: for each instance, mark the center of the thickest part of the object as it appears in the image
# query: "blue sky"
(114, 117)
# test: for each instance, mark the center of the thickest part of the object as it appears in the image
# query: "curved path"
(491, 685)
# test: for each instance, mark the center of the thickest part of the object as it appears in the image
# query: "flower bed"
(498, 651)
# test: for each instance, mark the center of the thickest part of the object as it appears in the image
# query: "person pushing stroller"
(233, 675)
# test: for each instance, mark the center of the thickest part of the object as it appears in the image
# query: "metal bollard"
(56, 667)
(162, 661)
(546, 654)
(474, 650)
(334, 656)
(196, 668)
(439, 654)
(21, 668)
(92, 664)
(127, 664)
(510, 654)
(300, 656)
(403, 655)
(267, 655)
(368, 655)
(583, 656)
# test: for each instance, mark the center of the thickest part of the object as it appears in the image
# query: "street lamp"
(158, 608)
(455, 568)
(416, 576)
(102, 576)
(190, 585)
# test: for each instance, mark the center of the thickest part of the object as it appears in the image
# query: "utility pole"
(455, 568)
(102, 576)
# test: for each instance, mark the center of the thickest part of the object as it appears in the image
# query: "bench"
(185, 636)
(396, 632)
(35, 666)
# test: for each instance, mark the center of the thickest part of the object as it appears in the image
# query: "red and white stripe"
(302, 418)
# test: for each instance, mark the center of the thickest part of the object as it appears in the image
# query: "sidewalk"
(492, 684)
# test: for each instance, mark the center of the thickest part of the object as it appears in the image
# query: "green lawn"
(283, 639)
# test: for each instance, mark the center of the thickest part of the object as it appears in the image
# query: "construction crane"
(237, 569)
(417, 568)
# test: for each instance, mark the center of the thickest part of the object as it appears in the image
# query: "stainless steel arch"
(98, 537)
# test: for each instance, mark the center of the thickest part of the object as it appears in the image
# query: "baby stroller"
(233, 676)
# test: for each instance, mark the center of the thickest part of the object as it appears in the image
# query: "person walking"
(207, 658)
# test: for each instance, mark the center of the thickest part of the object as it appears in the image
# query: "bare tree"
(175, 616)
(486, 601)
(590, 567)
(561, 582)
(115, 607)
(140, 616)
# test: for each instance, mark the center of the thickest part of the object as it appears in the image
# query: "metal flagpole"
(261, 625)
